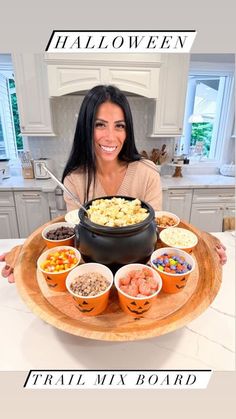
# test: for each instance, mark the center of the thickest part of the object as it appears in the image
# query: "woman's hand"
(7, 271)
(10, 258)
(220, 248)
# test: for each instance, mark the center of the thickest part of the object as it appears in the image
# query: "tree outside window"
(19, 141)
(202, 132)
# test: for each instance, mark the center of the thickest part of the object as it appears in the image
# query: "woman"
(104, 160)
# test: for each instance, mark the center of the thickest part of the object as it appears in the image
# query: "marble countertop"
(208, 342)
(18, 183)
(197, 181)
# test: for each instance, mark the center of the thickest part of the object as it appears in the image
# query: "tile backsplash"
(65, 110)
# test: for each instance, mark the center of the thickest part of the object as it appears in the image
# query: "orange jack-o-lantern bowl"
(48, 264)
(173, 280)
(93, 273)
(138, 286)
(62, 239)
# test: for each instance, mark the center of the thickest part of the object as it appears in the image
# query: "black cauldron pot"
(116, 246)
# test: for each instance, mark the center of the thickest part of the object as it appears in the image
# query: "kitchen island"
(205, 343)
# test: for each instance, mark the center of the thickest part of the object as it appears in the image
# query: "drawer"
(214, 195)
(6, 199)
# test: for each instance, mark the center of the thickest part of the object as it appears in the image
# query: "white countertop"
(17, 183)
(197, 181)
(27, 342)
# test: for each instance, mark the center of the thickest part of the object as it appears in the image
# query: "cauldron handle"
(76, 242)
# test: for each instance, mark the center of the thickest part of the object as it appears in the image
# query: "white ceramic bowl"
(180, 238)
(72, 217)
(169, 215)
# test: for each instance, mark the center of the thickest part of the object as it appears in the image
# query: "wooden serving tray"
(170, 312)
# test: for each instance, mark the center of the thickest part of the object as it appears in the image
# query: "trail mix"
(89, 284)
(165, 221)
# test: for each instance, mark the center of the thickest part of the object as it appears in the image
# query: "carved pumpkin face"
(134, 301)
(139, 307)
(173, 284)
(89, 305)
(56, 282)
(84, 306)
(181, 283)
(51, 283)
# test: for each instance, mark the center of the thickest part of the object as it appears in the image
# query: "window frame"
(6, 69)
(199, 68)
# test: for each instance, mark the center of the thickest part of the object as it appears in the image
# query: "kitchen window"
(10, 138)
(208, 116)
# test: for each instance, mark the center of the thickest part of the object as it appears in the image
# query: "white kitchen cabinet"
(32, 94)
(207, 217)
(179, 202)
(32, 211)
(8, 221)
(169, 108)
(139, 75)
(9, 227)
(209, 208)
(164, 199)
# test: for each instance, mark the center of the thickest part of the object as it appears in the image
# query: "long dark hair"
(82, 154)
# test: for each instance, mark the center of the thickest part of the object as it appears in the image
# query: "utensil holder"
(28, 172)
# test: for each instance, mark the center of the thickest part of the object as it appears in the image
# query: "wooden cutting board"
(171, 311)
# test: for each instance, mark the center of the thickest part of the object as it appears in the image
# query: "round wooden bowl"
(170, 312)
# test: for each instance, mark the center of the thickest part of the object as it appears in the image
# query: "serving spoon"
(63, 187)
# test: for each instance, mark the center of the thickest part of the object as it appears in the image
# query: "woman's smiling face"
(109, 131)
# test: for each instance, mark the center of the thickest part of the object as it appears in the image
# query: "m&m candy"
(172, 264)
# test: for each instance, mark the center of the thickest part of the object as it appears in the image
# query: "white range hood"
(137, 74)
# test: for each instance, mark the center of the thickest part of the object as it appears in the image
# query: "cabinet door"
(32, 94)
(207, 217)
(32, 211)
(66, 79)
(142, 81)
(170, 105)
(8, 223)
(179, 202)
(216, 195)
(164, 200)
(6, 199)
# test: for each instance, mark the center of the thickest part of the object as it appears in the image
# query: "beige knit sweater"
(141, 181)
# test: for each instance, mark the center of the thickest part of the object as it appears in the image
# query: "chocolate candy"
(172, 264)
(61, 233)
